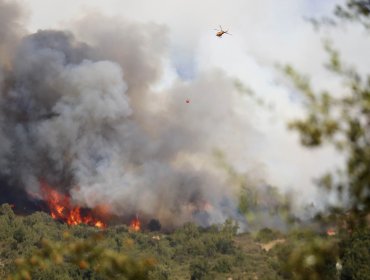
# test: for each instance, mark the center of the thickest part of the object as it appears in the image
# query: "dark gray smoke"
(11, 30)
(78, 110)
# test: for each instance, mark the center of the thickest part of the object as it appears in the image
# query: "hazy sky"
(263, 32)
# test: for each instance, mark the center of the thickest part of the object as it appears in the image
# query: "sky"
(264, 33)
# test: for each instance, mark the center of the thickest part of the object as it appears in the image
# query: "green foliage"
(340, 120)
(356, 256)
(313, 259)
(26, 253)
(267, 234)
(160, 272)
(84, 254)
(306, 255)
(223, 265)
(281, 252)
(355, 10)
(36, 246)
(199, 270)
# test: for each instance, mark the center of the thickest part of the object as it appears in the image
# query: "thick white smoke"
(77, 112)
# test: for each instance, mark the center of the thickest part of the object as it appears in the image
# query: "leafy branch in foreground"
(338, 117)
(355, 10)
(86, 255)
(341, 120)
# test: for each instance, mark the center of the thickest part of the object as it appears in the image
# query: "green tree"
(341, 120)
(223, 265)
(160, 272)
(355, 10)
(199, 269)
(85, 256)
(356, 256)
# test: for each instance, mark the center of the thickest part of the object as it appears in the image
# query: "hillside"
(38, 247)
(189, 252)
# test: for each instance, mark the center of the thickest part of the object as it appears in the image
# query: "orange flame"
(61, 208)
(135, 224)
(330, 232)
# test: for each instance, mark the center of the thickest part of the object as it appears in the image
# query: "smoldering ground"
(78, 110)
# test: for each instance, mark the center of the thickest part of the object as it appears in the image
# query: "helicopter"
(221, 32)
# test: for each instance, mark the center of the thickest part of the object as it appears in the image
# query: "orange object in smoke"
(135, 224)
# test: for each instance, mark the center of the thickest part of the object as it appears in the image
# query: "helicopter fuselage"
(220, 33)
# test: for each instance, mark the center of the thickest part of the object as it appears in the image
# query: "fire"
(62, 209)
(330, 232)
(135, 224)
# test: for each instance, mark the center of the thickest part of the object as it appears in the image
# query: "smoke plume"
(79, 110)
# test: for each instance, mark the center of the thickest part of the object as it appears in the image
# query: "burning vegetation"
(135, 224)
(61, 208)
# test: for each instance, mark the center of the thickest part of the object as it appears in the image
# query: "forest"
(333, 243)
(38, 247)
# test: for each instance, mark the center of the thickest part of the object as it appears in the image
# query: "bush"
(160, 272)
(356, 256)
(267, 234)
(154, 225)
(199, 270)
(223, 265)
